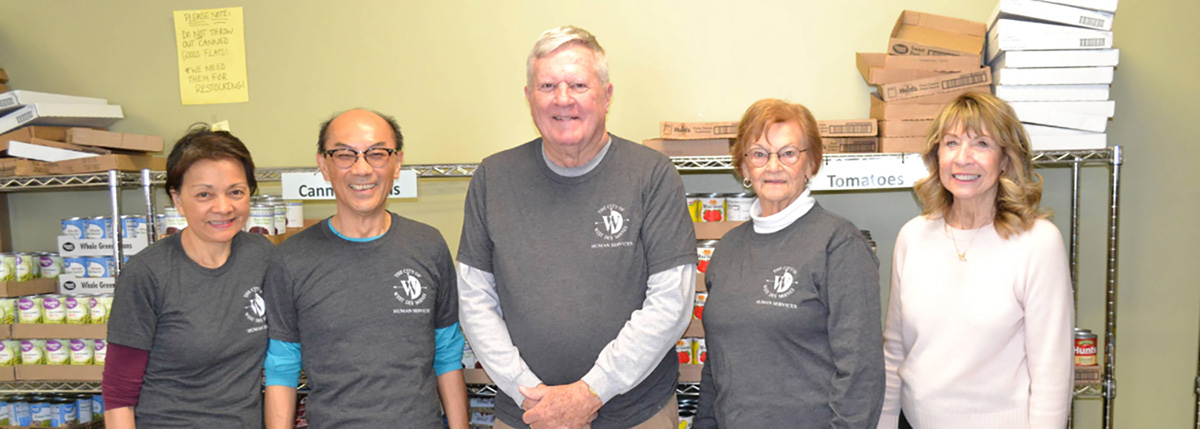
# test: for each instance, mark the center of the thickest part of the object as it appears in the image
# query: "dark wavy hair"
(199, 144)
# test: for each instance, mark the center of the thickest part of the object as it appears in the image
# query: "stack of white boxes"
(1053, 62)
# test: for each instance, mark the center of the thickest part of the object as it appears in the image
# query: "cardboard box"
(1012, 35)
(879, 69)
(1102, 5)
(11, 100)
(832, 145)
(108, 162)
(1054, 76)
(1058, 58)
(5, 332)
(75, 115)
(1011, 93)
(14, 167)
(31, 287)
(936, 85)
(848, 128)
(902, 144)
(902, 128)
(1058, 118)
(7, 373)
(714, 230)
(706, 147)
(59, 372)
(883, 110)
(1052, 12)
(698, 130)
(700, 286)
(58, 134)
(1107, 108)
(39, 330)
(38, 152)
(1088, 141)
(925, 34)
(90, 137)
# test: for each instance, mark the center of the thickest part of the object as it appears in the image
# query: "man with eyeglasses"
(371, 299)
(577, 259)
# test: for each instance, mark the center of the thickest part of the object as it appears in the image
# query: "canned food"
(1085, 348)
(133, 226)
(53, 310)
(77, 309)
(698, 310)
(8, 311)
(704, 250)
(39, 410)
(74, 227)
(683, 348)
(99, 307)
(699, 351)
(82, 352)
(97, 227)
(50, 265)
(99, 352)
(29, 309)
(686, 420)
(295, 214)
(98, 405)
(58, 352)
(64, 413)
(75, 266)
(712, 208)
(33, 352)
(262, 219)
(693, 202)
(8, 267)
(160, 224)
(175, 222)
(26, 268)
(280, 208)
(83, 403)
(5, 413)
(19, 411)
(10, 352)
(737, 206)
(99, 266)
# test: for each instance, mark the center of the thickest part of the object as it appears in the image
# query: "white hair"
(555, 38)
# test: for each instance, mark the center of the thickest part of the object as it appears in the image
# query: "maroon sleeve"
(124, 368)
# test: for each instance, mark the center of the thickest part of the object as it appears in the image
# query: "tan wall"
(452, 73)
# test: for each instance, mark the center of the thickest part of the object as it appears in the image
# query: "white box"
(1057, 58)
(1058, 118)
(1053, 76)
(71, 115)
(1105, 108)
(43, 153)
(16, 98)
(1104, 5)
(73, 247)
(1013, 93)
(1014, 35)
(1052, 12)
(1052, 138)
(71, 285)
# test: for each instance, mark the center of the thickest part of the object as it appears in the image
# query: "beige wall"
(452, 73)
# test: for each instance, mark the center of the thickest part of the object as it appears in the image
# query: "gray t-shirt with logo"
(205, 329)
(571, 257)
(793, 328)
(364, 314)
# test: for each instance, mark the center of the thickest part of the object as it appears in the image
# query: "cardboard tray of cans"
(59, 372)
(714, 230)
(10, 289)
(51, 331)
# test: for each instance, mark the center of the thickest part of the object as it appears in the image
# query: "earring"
(746, 183)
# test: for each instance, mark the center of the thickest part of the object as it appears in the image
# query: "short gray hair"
(555, 38)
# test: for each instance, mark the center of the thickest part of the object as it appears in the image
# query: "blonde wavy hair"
(1020, 188)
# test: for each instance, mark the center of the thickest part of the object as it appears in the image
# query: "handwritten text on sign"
(212, 56)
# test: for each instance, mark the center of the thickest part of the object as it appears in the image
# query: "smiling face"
(214, 197)
(776, 183)
(970, 165)
(360, 189)
(568, 101)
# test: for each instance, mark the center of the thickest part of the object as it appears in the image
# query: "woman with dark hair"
(792, 318)
(188, 330)
(979, 321)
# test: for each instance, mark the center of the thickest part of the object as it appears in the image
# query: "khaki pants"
(667, 418)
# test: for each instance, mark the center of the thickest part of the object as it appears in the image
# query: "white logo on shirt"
(780, 284)
(410, 291)
(256, 308)
(613, 222)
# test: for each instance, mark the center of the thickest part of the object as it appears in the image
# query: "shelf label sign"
(869, 171)
(312, 186)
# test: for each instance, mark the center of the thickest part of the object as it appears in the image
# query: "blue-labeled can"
(18, 407)
(39, 410)
(5, 412)
(133, 226)
(99, 266)
(98, 404)
(83, 403)
(74, 227)
(63, 413)
(76, 266)
(98, 227)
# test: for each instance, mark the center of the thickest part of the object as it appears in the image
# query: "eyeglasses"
(377, 157)
(788, 156)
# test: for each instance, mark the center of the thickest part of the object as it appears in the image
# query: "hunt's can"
(50, 265)
(78, 312)
(8, 267)
(712, 208)
(295, 214)
(26, 268)
(683, 348)
(33, 352)
(58, 352)
(29, 309)
(737, 206)
(99, 307)
(10, 352)
(99, 266)
(74, 227)
(97, 227)
(262, 219)
(1085, 348)
(699, 351)
(698, 309)
(99, 352)
(134, 226)
(82, 352)
(704, 250)
(693, 202)
(8, 311)
(54, 312)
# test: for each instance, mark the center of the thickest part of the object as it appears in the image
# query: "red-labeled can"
(700, 351)
(698, 309)
(1085, 348)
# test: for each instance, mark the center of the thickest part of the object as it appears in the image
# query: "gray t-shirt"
(571, 257)
(364, 314)
(792, 328)
(205, 329)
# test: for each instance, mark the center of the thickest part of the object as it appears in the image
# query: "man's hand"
(570, 406)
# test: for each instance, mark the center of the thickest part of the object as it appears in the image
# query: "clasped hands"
(568, 406)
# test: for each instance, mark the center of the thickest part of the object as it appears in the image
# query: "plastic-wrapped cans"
(737, 206)
(712, 208)
(54, 312)
(698, 309)
(704, 250)
(82, 351)
(97, 227)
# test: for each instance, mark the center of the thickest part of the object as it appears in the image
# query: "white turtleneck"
(785, 217)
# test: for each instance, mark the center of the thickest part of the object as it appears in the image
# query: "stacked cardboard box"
(3, 80)
(715, 138)
(931, 59)
(849, 136)
(45, 134)
(1053, 62)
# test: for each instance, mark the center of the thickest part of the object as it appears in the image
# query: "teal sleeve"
(282, 364)
(449, 352)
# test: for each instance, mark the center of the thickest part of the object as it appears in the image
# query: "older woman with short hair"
(980, 316)
(793, 315)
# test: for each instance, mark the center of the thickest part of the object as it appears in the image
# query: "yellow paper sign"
(212, 56)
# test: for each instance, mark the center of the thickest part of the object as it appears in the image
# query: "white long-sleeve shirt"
(982, 343)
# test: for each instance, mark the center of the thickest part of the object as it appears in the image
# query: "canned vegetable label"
(99, 266)
(1085, 349)
(97, 227)
(683, 348)
(99, 352)
(53, 310)
(698, 310)
(29, 309)
(75, 266)
(8, 267)
(78, 312)
(74, 227)
(10, 352)
(704, 250)
(700, 351)
(50, 265)
(737, 206)
(33, 352)
(712, 208)
(58, 352)
(82, 352)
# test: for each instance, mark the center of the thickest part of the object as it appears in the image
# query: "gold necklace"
(962, 254)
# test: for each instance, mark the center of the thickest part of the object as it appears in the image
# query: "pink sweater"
(985, 343)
